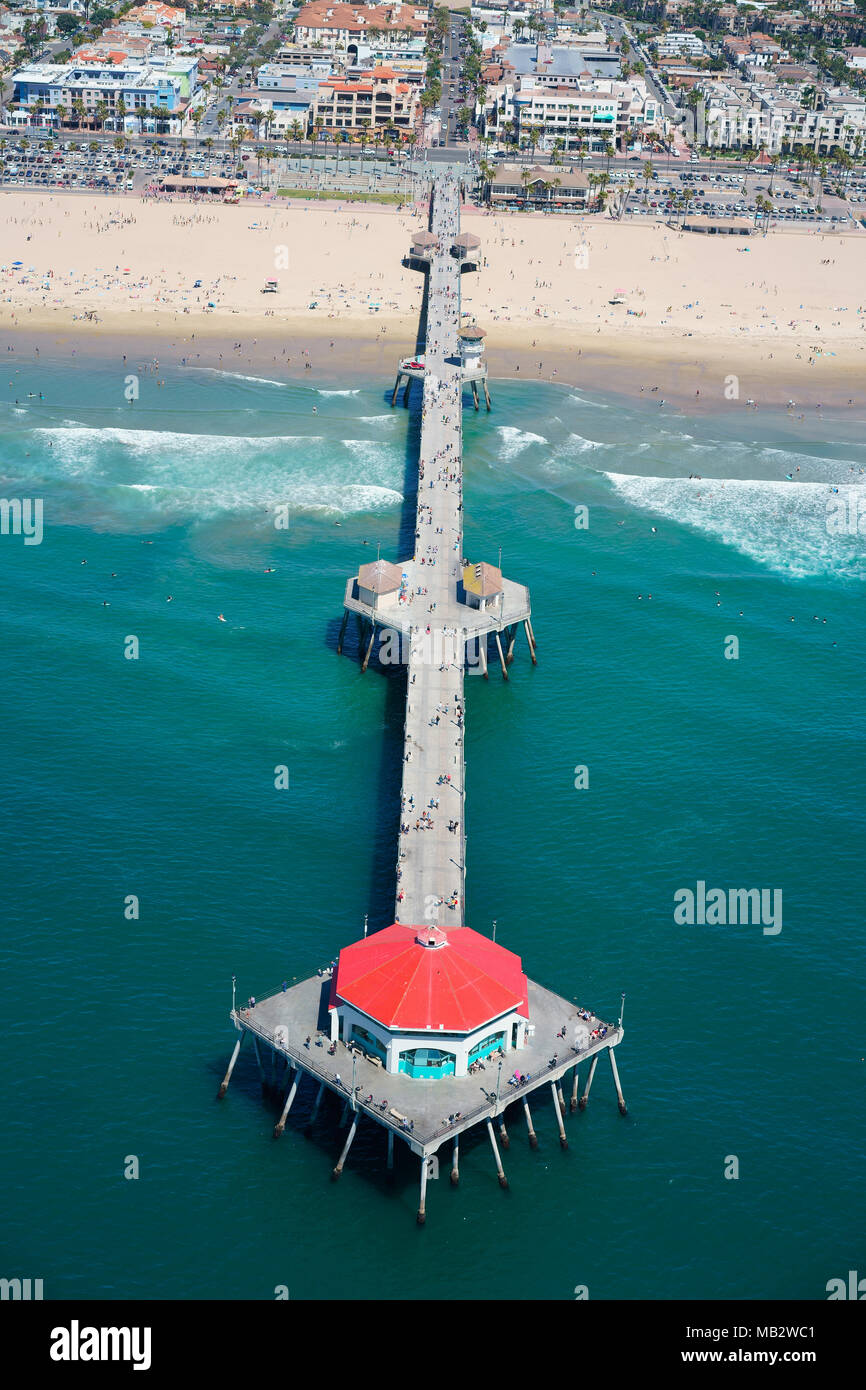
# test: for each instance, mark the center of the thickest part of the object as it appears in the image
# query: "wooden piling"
(342, 631)
(346, 1147)
(293, 1091)
(559, 1120)
(396, 388)
(228, 1076)
(482, 655)
(530, 643)
(585, 1097)
(315, 1110)
(574, 1090)
(503, 1133)
(422, 1214)
(365, 663)
(406, 392)
(622, 1104)
(455, 1161)
(501, 657)
(503, 1181)
(259, 1065)
(474, 386)
(390, 1159)
(486, 392)
(533, 1137)
(512, 638)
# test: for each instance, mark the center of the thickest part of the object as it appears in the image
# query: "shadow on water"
(384, 808)
(329, 1131)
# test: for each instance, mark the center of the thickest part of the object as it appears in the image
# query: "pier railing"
(489, 1107)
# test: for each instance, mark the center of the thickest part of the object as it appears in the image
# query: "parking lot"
(104, 166)
(726, 194)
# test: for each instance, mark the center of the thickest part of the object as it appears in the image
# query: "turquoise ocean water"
(155, 778)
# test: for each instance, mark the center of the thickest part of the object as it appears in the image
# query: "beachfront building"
(131, 96)
(341, 27)
(586, 113)
(739, 115)
(429, 1002)
(515, 186)
(352, 103)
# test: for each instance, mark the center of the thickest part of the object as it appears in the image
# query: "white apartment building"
(769, 117)
(591, 111)
(680, 46)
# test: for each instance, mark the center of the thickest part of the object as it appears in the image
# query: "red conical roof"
(422, 978)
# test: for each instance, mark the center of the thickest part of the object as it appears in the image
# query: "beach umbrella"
(17, 265)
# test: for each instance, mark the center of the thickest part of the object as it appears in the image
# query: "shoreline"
(595, 304)
(686, 371)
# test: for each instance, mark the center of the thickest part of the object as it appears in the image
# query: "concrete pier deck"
(431, 859)
(286, 1019)
(432, 615)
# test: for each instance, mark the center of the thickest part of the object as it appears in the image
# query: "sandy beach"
(784, 314)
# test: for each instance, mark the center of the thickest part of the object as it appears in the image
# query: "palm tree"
(648, 172)
(629, 189)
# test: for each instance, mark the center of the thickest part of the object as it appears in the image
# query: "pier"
(428, 1029)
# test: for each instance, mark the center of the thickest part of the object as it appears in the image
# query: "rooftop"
(423, 979)
(380, 576)
(484, 580)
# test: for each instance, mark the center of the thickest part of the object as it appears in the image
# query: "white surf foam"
(514, 441)
(239, 376)
(199, 476)
(781, 524)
